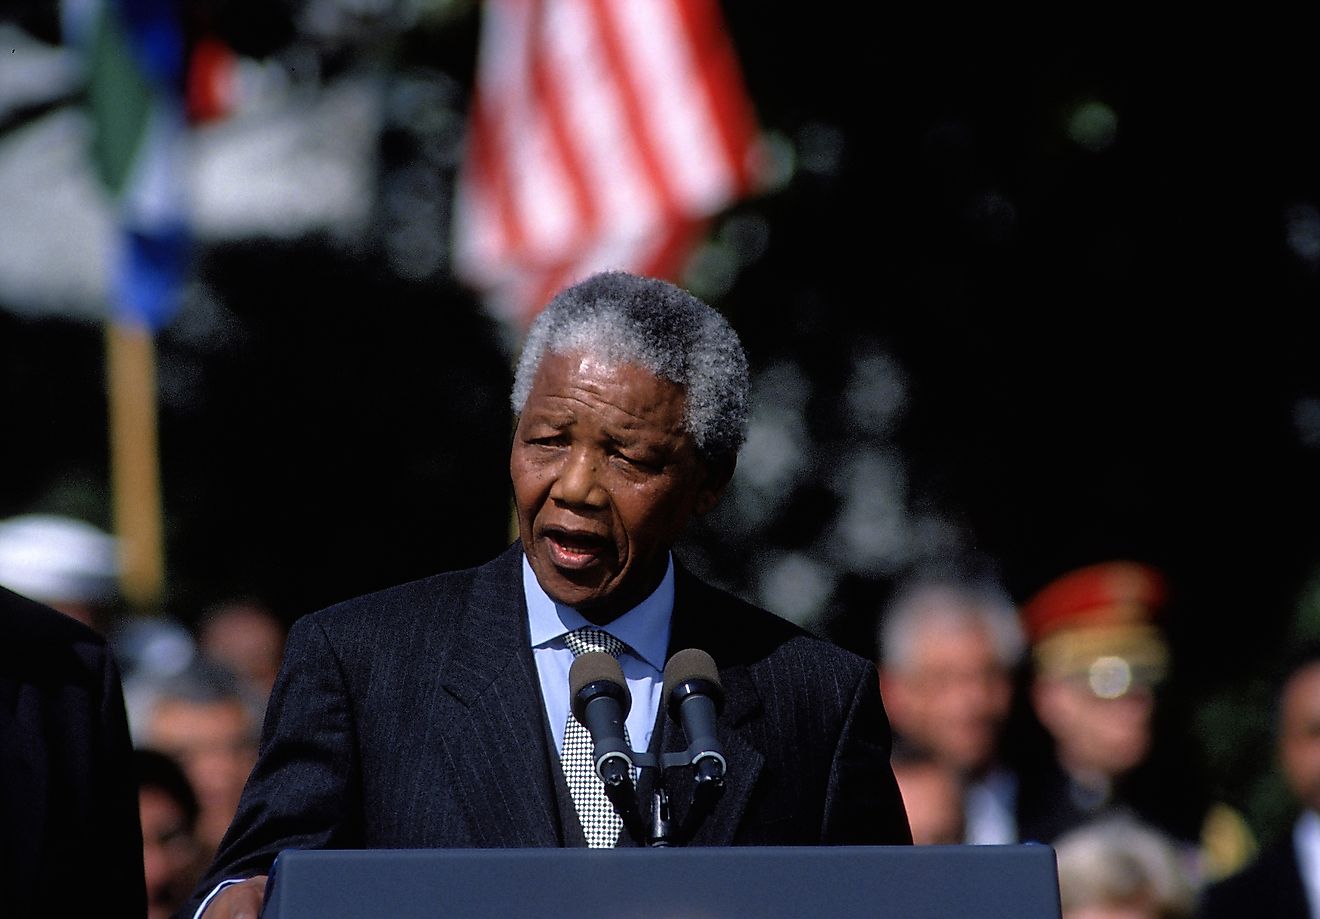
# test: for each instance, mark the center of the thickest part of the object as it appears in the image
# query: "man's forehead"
(593, 361)
(953, 630)
(629, 393)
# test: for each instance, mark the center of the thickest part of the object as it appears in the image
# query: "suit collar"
(700, 622)
(492, 630)
(496, 742)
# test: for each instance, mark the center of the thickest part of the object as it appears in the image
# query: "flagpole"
(135, 462)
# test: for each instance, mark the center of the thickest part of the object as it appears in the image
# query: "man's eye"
(637, 462)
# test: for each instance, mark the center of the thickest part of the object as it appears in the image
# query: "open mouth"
(575, 550)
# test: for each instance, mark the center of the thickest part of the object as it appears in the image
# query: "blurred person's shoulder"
(1270, 885)
(41, 640)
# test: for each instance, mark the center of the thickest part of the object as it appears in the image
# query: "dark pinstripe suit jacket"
(412, 718)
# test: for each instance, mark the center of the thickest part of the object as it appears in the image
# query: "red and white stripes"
(603, 134)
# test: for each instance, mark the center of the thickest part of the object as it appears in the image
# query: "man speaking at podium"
(437, 713)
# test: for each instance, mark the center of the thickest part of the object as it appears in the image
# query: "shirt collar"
(1306, 845)
(644, 628)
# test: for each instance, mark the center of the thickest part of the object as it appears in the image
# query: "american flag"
(603, 134)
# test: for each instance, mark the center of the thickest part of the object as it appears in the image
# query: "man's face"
(214, 744)
(1093, 735)
(932, 797)
(953, 697)
(605, 477)
(247, 640)
(1299, 736)
(169, 852)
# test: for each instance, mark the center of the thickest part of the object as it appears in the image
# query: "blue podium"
(885, 882)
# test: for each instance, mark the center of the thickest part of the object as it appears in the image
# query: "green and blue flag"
(135, 55)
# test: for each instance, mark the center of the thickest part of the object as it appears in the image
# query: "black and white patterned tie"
(600, 823)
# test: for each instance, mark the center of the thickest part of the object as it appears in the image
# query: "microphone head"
(596, 673)
(692, 670)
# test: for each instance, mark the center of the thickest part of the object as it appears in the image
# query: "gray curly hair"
(624, 317)
(949, 602)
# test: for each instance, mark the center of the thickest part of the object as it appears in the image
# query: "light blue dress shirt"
(644, 629)
(1306, 843)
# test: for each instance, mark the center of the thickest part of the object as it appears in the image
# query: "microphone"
(692, 686)
(601, 701)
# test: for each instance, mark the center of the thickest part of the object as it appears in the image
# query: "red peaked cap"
(1110, 593)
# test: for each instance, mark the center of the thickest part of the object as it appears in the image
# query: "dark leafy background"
(1096, 352)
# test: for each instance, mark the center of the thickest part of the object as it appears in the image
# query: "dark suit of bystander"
(70, 842)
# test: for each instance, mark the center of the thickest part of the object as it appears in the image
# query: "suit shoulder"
(27, 619)
(438, 597)
(756, 633)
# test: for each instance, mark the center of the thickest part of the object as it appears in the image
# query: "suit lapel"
(495, 736)
(698, 624)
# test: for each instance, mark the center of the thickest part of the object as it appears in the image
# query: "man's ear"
(717, 474)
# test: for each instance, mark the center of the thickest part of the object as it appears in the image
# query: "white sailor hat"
(51, 558)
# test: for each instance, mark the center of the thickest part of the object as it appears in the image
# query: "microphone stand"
(661, 831)
(619, 789)
(707, 788)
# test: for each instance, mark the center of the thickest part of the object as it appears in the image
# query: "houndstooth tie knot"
(600, 823)
(585, 639)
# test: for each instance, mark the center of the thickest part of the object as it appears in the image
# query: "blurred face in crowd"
(1094, 736)
(932, 795)
(214, 742)
(170, 852)
(605, 478)
(1299, 735)
(247, 639)
(1140, 908)
(952, 697)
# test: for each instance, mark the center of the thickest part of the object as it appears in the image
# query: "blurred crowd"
(1015, 721)
(1038, 722)
(195, 694)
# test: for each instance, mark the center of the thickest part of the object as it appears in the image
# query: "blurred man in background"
(201, 719)
(247, 637)
(948, 648)
(933, 796)
(1284, 880)
(1118, 868)
(69, 837)
(1099, 656)
(171, 854)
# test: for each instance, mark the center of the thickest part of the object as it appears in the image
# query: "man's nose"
(578, 482)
